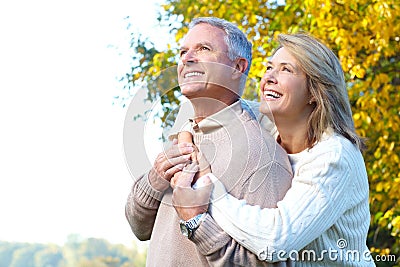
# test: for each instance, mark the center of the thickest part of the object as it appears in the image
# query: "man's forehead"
(202, 34)
(199, 44)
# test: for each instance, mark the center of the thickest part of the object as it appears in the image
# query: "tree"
(76, 252)
(24, 256)
(7, 251)
(49, 256)
(365, 35)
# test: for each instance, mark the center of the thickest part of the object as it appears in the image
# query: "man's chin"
(192, 89)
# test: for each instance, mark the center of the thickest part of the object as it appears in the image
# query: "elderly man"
(215, 58)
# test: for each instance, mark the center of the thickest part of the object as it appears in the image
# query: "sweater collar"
(218, 120)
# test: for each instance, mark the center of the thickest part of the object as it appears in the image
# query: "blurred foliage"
(91, 252)
(365, 35)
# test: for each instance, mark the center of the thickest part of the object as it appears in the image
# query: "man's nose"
(190, 56)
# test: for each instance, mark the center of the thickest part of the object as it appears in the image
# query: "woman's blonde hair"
(327, 86)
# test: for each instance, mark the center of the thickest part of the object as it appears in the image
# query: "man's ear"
(240, 67)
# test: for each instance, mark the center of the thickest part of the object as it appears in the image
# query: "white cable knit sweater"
(322, 221)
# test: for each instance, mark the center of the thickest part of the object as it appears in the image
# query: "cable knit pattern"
(324, 215)
(250, 165)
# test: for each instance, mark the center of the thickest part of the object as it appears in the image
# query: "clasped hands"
(179, 167)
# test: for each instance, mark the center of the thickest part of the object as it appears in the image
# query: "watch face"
(184, 229)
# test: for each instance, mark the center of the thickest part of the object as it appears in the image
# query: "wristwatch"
(188, 227)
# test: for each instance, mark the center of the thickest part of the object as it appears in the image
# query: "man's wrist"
(156, 182)
(188, 227)
(198, 218)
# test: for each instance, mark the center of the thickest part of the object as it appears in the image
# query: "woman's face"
(284, 89)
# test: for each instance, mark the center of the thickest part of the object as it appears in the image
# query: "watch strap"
(188, 227)
(194, 222)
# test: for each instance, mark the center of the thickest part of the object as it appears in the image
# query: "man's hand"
(190, 202)
(168, 163)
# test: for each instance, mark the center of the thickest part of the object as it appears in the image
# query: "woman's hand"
(204, 165)
(185, 177)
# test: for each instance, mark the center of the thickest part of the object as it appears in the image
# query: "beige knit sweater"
(250, 164)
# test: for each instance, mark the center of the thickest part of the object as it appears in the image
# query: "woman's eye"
(182, 53)
(269, 68)
(286, 69)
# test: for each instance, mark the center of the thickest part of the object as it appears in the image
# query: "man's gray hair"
(235, 39)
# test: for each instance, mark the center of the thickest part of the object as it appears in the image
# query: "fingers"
(179, 149)
(191, 168)
(173, 160)
(171, 172)
(174, 155)
(194, 155)
(185, 137)
(204, 166)
(185, 177)
(167, 171)
(169, 164)
(201, 182)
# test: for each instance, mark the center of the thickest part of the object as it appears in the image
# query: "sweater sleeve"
(317, 198)
(220, 249)
(218, 246)
(142, 206)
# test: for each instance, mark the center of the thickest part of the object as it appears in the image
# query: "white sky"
(62, 168)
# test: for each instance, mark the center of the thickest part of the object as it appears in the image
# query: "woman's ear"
(240, 67)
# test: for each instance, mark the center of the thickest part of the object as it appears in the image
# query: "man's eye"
(204, 48)
(182, 53)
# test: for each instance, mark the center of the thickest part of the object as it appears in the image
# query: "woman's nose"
(270, 76)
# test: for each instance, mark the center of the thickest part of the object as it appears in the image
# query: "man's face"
(204, 68)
